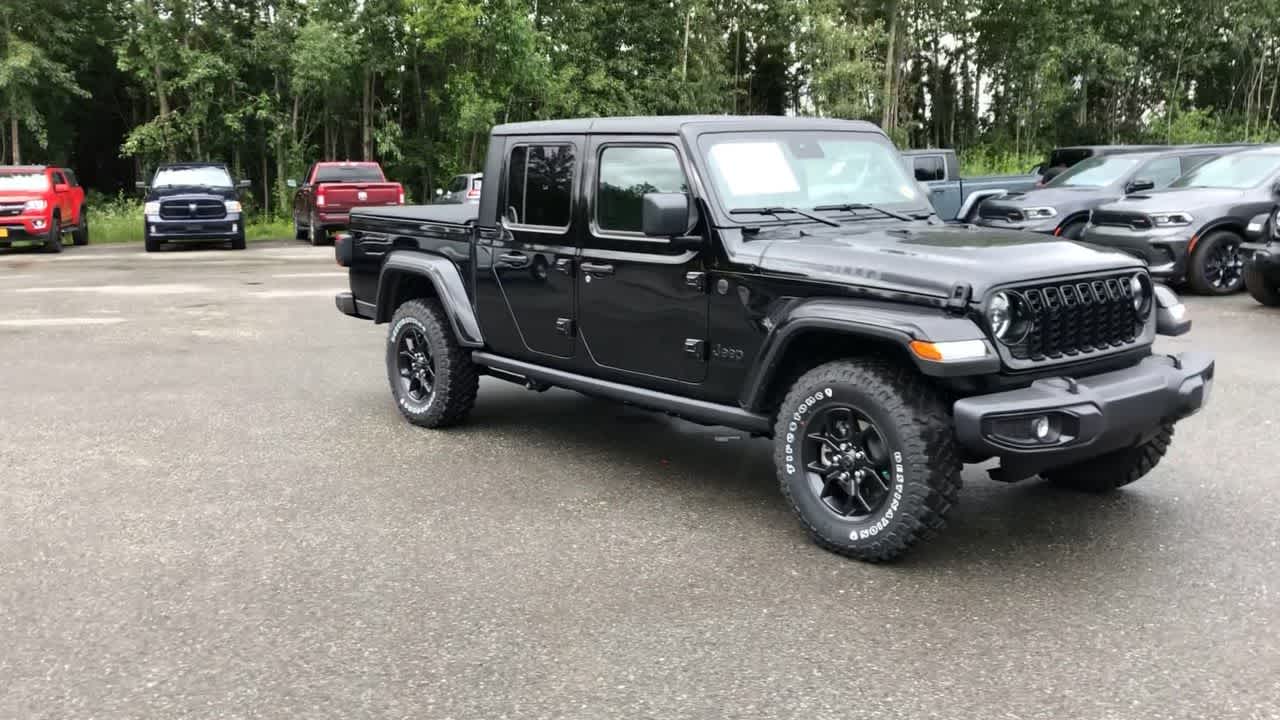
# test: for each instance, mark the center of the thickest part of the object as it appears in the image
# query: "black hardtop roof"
(673, 124)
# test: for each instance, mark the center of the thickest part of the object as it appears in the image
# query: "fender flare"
(447, 281)
(975, 199)
(870, 320)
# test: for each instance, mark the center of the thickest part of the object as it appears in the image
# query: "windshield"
(210, 176)
(351, 173)
(1235, 172)
(806, 170)
(1096, 172)
(24, 181)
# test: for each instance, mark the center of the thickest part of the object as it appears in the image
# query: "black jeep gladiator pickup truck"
(786, 277)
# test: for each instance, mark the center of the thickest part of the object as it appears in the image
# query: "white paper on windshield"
(754, 168)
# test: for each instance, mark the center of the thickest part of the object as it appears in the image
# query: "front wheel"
(1115, 469)
(432, 378)
(1263, 289)
(1073, 230)
(53, 243)
(237, 242)
(1216, 267)
(866, 457)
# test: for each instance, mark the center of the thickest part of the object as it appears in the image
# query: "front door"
(642, 304)
(530, 261)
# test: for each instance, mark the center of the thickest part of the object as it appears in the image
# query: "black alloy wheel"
(848, 462)
(416, 366)
(1224, 267)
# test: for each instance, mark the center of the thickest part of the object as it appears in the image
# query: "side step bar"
(699, 411)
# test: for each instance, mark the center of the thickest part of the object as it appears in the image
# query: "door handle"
(515, 259)
(596, 268)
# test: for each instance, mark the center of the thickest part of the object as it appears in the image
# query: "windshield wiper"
(779, 210)
(851, 207)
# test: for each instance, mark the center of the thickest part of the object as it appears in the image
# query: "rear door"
(525, 270)
(642, 304)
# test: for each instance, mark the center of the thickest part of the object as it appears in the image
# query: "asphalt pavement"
(210, 508)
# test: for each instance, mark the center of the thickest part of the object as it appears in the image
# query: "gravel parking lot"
(210, 508)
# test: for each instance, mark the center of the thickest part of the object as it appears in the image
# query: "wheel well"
(405, 286)
(816, 347)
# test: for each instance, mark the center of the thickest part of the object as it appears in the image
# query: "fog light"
(1040, 427)
(37, 224)
(233, 227)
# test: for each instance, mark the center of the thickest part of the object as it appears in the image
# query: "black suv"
(192, 201)
(788, 278)
(1192, 229)
(1062, 205)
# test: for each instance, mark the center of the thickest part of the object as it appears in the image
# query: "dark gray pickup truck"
(954, 197)
(785, 277)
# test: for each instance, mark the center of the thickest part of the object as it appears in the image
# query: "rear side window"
(626, 174)
(71, 177)
(352, 173)
(539, 185)
(929, 168)
(1161, 171)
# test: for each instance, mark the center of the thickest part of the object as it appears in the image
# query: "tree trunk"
(13, 139)
(266, 178)
(888, 118)
(366, 117)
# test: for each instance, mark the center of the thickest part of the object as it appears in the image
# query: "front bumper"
(224, 228)
(23, 229)
(1165, 251)
(1087, 416)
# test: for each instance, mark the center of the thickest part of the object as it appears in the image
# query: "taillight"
(473, 194)
(401, 197)
(320, 201)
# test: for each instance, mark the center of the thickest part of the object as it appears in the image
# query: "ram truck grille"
(1068, 319)
(192, 209)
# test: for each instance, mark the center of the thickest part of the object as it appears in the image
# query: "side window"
(626, 174)
(929, 168)
(1191, 162)
(540, 185)
(458, 184)
(71, 178)
(58, 179)
(1161, 171)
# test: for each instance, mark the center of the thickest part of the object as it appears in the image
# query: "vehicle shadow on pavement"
(1021, 526)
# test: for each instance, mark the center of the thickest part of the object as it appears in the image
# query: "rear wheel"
(1261, 288)
(81, 234)
(299, 232)
(53, 243)
(432, 378)
(1216, 267)
(316, 233)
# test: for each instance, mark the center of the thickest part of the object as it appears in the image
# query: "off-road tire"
(80, 236)
(1265, 292)
(1196, 264)
(457, 379)
(53, 244)
(237, 242)
(915, 422)
(1114, 470)
(150, 244)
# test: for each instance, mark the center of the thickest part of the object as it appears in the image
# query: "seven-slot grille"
(192, 209)
(1137, 221)
(1070, 318)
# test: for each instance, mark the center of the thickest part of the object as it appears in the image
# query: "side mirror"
(1256, 230)
(140, 185)
(1140, 184)
(243, 184)
(439, 192)
(665, 215)
(291, 184)
(1171, 314)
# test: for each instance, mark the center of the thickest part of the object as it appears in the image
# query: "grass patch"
(984, 160)
(120, 221)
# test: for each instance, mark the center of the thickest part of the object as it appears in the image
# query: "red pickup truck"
(41, 204)
(329, 192)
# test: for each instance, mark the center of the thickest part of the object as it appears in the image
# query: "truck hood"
(1052, 197)
(190, 192)
(931, 260)
(1173, 200)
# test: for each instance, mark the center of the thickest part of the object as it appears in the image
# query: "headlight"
(1176, 219)
(35, 205)
(1008, 319)
(1039, 213)
(233, 206)
(151, 208)
(1141, 287)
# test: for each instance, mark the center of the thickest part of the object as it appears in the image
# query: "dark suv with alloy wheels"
(1192, 230)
